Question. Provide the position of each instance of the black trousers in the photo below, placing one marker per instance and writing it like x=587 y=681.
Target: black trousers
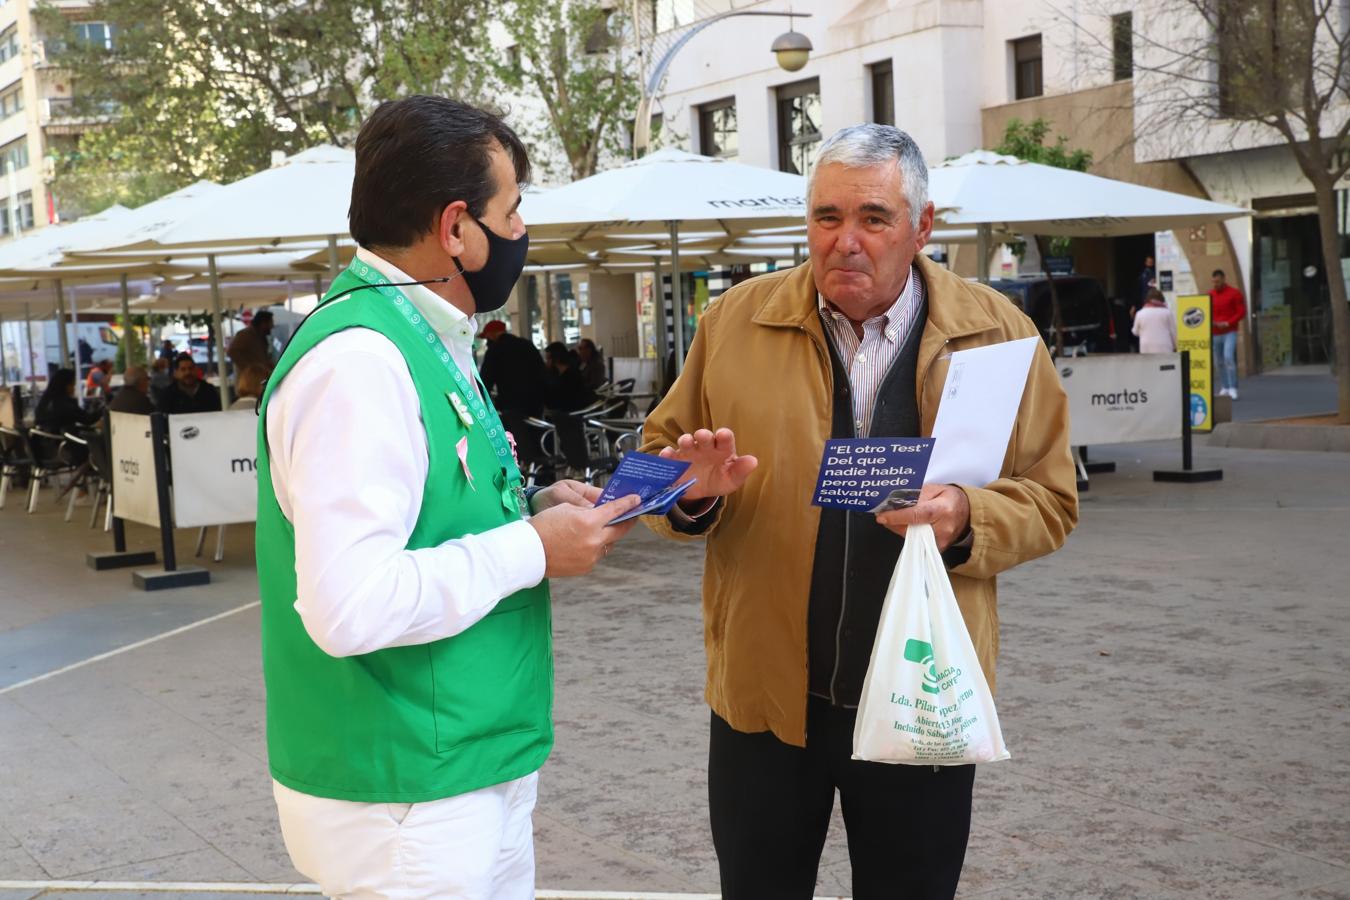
x=770 y=806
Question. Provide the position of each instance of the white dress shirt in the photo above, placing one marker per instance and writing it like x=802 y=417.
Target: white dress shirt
x=348 y=457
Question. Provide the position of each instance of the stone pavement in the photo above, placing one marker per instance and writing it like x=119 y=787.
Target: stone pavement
x=1172 y=688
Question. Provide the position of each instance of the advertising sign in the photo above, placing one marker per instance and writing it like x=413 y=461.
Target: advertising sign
x=214 y=458
x=1193 y=334
x=1122 y=398
x=135 y=496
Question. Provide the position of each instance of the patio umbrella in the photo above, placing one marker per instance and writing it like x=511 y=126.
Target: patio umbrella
x=304 y=199
x=671 y=189
x=992 y=191
x=46 y=245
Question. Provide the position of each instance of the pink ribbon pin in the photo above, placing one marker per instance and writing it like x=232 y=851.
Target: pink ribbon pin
x=462 y=449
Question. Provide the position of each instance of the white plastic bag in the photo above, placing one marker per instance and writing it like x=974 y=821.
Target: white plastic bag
x=925 y=700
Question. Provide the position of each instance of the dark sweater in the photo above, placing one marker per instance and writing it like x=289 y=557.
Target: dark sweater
x=855 y=556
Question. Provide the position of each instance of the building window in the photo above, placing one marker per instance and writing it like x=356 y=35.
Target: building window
x=4 y=218
x=1026 y=54
x=97 y=34
x=14 y=155
x=883 y=93
x=11 y=102
x=654 y=139
x=1122 y=46
x=798 y=125
x=668 y=14
x=717 y=129
x=25 y=213
x=9 y=43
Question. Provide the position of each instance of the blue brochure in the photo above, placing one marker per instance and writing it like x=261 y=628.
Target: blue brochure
x=650 y=477
x=872 y=474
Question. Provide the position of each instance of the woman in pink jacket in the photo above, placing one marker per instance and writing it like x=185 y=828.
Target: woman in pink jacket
x=1154 y=325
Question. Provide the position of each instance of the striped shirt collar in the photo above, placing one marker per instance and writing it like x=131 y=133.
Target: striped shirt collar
x=893 y=317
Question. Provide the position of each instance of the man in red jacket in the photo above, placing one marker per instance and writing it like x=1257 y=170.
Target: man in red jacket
x=1227 y=309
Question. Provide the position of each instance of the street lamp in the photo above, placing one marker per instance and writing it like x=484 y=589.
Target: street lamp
x=792 y=50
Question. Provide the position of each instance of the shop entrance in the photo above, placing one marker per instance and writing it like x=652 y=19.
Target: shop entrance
x=1291 y=312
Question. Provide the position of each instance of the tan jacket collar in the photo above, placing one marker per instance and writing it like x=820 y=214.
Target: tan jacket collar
x=952 y=308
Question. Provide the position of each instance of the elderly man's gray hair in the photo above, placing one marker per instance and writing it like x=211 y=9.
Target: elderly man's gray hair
x=864 y=146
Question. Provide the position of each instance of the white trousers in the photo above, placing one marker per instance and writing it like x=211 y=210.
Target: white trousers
x=477 y=846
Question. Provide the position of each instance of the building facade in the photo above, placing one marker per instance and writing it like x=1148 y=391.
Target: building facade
x=953 y=73
x=37 y=114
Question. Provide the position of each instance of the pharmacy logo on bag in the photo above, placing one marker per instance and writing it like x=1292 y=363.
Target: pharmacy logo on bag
x=921 y=652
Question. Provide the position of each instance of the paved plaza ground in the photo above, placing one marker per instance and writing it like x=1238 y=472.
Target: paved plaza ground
x=1173 y=689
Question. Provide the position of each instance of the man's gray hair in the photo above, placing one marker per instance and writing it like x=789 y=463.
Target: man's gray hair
x=864 y=146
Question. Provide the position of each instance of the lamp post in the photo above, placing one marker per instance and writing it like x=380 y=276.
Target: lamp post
x=791 y=50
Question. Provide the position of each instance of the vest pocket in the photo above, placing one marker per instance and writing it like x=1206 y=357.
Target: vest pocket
x=490 y=680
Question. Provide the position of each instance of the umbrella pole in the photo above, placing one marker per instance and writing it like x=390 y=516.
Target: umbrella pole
x=126 y=324
x=4 y=369
x=61 y=340
x=75 y=327
x=677 y=295
x=658 y=318
x=334 y=266
x=218 y=327
x=318 y=289
x=796 y=254
x=28 y=342
x=982 y=236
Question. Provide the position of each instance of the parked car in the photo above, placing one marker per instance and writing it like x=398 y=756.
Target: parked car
x=1084 y=308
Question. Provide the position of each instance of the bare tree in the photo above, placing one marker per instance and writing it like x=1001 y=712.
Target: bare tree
x=1216 y=75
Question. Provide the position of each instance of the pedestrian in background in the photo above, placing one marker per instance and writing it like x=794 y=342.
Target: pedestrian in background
x=513 y=371
x=1227 y=309
x=252 y=345
x=1155 y=325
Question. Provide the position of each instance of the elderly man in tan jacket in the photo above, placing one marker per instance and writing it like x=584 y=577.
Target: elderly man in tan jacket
x=854 y=343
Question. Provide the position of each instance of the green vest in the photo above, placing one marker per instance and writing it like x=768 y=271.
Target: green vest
x=417 y=723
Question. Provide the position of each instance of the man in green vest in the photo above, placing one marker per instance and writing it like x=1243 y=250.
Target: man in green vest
x=405 y=617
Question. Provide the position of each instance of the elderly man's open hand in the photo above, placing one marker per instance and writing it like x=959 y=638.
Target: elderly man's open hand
x=713 y=461
x=944 y=506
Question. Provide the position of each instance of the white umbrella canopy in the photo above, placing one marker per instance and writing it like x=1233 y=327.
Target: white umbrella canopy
x=1018 y=197
x=700 y=192
x=139 y=224
x=45 y=247
x=305 y=198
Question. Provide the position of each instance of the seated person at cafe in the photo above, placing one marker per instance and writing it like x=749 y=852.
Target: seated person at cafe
x=567 y=390
x=99 y=380
x=58 y=411
x=591 y=363
x=134 y=394
x=249 y=388
x=189 y=393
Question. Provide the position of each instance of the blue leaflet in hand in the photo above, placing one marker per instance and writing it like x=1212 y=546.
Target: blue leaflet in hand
x=658 y=504
x=872 y=474
x=647 y=476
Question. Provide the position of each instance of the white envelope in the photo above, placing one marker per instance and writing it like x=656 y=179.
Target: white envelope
x=979 y=405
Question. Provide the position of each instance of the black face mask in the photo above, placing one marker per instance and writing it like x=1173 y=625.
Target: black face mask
x=492 y=284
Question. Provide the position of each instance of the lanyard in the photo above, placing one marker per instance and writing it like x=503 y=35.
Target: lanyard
x=482 y=413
